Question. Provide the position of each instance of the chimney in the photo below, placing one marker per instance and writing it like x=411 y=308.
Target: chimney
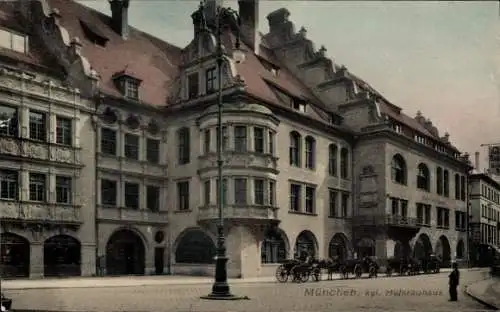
x=477 y=161
x=119 y=17
x=249 y=15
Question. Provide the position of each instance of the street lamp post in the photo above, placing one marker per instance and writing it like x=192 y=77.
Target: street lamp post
x=220 y=287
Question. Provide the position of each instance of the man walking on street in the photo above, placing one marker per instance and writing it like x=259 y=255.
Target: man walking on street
x=454 y=282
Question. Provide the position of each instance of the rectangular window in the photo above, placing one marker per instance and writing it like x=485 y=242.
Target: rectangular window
x=259 y=191
x=63 y=189
x=131 y=146
x=394 y=206
x=258 y=137
x=153 y=151
x=211 y=80
x=132 y=89
x=272 y=193
x=64 y=131
x=38 y=189
x=462 y=188
x=9 y=184
x=132 y=195
x=225 y=138
x=38 y=126
x=108 y=192
x=420 y=213
x=184 y=140
x=153 y=198
x=206 y=192
x=404 y=208
x=240 y=191
x=12 y=41
x=240 y=139
x=295 y=197
x=457 y=221
x=270 y=141
x=345 y=205
x=193 y=86
x=183 y=195
x=446 y=218
x=8 y=121
x=108 y=141
x=206 y=141
x=333 y=198
x=224 y=191
x=310 y=198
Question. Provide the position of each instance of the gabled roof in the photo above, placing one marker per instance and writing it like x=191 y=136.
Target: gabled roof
x=37 y=57
x=150 y=59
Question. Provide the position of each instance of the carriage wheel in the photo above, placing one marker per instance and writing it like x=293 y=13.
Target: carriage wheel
x=358 y=271
x=295 y=274
x=304 y=276
x=372 y=272
x=282 y=274
x=316 y=275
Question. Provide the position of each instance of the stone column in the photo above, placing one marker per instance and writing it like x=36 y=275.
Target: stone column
x=36 y=260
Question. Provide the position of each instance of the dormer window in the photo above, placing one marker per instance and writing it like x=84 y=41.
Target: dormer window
x=13 y=41
x=128 y=85
x=193 y=85
x=93 y=34
x=299 y=105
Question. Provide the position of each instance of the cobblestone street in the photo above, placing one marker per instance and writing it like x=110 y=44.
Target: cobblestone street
x=421 y=293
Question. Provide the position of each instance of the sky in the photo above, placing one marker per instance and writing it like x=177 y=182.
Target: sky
x=442 y=58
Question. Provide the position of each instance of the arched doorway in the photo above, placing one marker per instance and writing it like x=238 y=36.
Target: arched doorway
x=402 y=250
x=338 y=247
x=15 y=256
x=125 y=254
x=306 y=245
x=274 y=248
x=460 y=249
x=365 y=247
x=194 y=246
x=443 y=250
x=423 y=247
x=61 y=256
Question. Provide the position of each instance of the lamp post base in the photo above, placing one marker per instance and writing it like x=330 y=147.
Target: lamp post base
x=224 y=297
x=220 y=288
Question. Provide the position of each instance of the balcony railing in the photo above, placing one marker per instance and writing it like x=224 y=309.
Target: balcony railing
x=238 y=212
x=385 y=220
x=40 y=212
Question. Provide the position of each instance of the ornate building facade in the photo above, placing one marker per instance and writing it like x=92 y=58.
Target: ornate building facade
x=313 y=156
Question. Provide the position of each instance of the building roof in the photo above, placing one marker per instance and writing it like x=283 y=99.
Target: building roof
x=37 y=57
x=485 y=177
x=147 y=58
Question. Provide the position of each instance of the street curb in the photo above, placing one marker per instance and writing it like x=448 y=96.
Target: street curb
x=481 y=301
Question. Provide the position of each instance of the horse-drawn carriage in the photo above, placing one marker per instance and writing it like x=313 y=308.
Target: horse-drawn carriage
x=358 y=267
x=431 y=264
x=403 y=266
x=299 y=271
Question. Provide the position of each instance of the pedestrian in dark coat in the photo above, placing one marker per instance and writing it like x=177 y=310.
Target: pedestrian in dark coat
x=454 y=278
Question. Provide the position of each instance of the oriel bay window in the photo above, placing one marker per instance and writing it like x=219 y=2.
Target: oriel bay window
x=211 y=80
x=225 y=138
x=272 y=193
x=9 y=184
x=240 y=191
x=63 y=189
x=206 y=192
x=258 y=185
x=240 y=139
x=258 y=137
x=332 y=203
x=184 y=142
x=224 y=191
x=206 y=141
x=270 y=142
x=132 y=195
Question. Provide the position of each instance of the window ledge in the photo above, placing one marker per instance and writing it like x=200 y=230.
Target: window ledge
x=177 y=211
x=340 y=218
x=303 y=213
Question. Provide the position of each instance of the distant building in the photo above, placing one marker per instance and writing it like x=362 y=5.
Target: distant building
x=316 y=160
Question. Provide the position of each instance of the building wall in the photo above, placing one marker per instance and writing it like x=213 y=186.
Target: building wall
x=485 y=211
x=33 y=91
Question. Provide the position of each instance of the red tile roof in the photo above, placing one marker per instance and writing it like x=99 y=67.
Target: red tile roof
x=150 y=59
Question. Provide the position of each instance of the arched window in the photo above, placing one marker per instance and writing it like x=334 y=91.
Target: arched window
x=295 y=141
x=310 y=152
x=183 y=140
x=273 y=249
x=423 y=177
x=439 y=180
x=344 y=163
x=457 y=186
x=195 y=247
x=398 y=166
x=446 y=183
x=332 y=160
